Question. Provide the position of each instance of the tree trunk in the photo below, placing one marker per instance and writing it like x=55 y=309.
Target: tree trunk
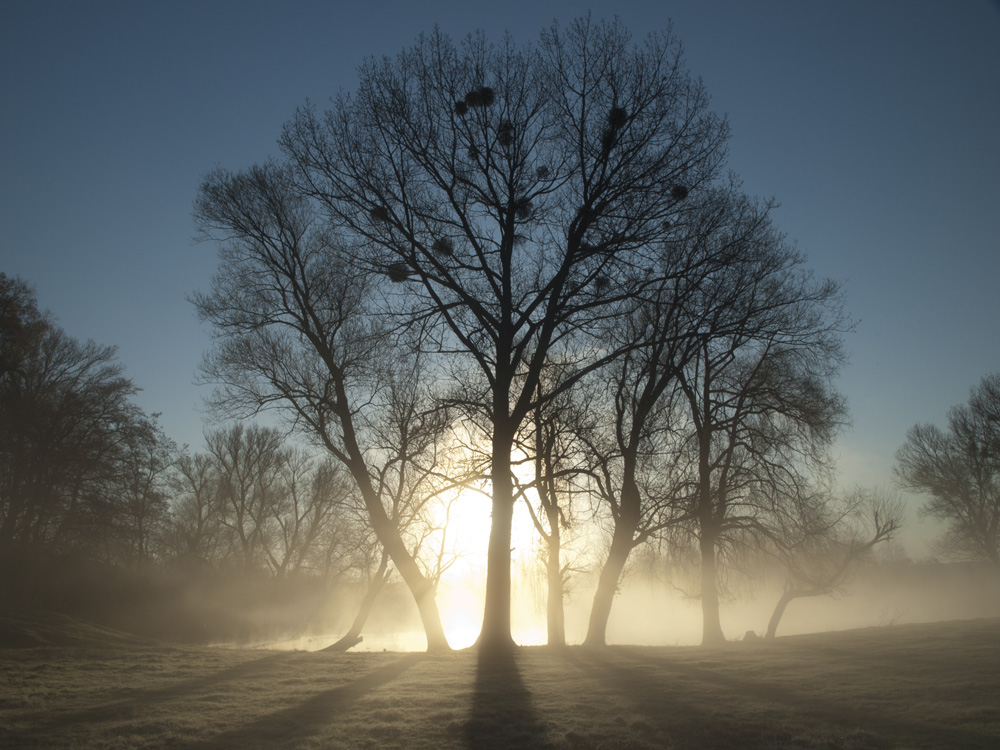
x=622 y=544
x=779 y=610
x=421 y=588
x=607 y=586
x=495 y=635
x=555 y=618
x=711 y=625
x=353 y=636
x=387 y=531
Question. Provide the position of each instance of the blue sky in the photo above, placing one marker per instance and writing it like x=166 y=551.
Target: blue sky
x=874 y=124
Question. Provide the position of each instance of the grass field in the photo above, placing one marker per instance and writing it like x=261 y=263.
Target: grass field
x=65 y=684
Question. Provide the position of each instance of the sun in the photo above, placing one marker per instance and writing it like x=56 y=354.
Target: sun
x=467 y=520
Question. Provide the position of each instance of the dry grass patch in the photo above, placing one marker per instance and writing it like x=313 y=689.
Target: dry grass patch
x=914 y=686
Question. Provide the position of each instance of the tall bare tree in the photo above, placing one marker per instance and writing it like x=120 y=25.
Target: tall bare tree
x=298 y=328
x=514 y=193
x=761 y=409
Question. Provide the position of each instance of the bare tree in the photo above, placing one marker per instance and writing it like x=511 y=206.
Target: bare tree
x=640 y=468
x=550 y=443
x=249 y=461
x=196 y=508
x=298 y=329
x=960 y=469
x=760 y=404
x=514 y=194
x=821 y=541
x=80 y=464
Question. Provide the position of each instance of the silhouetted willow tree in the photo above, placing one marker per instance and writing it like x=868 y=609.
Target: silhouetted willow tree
x=517 y=195
x=959 y=468
x=299 y=328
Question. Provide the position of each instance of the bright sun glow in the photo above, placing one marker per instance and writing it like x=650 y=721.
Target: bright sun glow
x=462 y=590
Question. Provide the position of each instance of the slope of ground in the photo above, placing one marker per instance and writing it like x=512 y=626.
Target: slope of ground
x=908 y=686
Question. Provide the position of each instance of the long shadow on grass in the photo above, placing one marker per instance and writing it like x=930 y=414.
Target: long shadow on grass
x=670 y=714
x=731 y=690
x=43 y=724
x=140 y=699
x=291 y=725
x=503 y=714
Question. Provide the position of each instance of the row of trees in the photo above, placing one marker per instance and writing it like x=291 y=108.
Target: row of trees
x=251 y=503
x=543 y=243
x=85 y=474
x=81 y=466
x=493 y=257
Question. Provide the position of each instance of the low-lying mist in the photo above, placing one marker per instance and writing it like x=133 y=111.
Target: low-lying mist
x=648 y=612
x=238 y=608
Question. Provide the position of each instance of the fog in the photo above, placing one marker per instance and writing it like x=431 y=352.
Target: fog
x=649 y=612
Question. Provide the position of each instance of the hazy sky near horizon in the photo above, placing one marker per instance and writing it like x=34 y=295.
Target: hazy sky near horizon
x=874 y=124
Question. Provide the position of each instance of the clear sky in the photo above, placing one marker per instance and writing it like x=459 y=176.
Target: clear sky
x=876 y=125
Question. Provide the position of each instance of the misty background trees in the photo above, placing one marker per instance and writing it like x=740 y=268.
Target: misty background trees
x=959 y=468
x=518 y=272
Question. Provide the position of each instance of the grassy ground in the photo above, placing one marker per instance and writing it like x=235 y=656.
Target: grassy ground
x=68 y=685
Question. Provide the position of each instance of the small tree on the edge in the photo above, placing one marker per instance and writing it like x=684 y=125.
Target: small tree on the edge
x=959 y=468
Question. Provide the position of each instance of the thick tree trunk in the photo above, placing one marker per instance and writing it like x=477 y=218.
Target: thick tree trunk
x=779 y=610
x=496 y=635
x=711 y=625
x=353 y=636
x=555 y=618
x=607 y=586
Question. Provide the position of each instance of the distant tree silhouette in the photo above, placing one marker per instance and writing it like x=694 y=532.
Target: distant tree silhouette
x=516 y=196
x=959 y=468
x=82 y=468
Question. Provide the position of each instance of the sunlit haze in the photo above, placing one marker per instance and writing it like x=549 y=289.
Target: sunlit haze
x=872 y=125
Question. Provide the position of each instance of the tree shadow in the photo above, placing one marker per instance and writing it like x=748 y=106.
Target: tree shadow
x=286 y=727
x=143 y=698
x=657 y=678
x=502 y=714
x=667 y=714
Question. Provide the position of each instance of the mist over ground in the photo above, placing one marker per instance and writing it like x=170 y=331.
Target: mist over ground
x=648 y=613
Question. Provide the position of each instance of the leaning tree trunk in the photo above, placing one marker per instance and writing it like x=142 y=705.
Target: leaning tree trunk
x=353 y=636
x=779 y=610
x=622 y=544
x=387 y=532
x=607 y=586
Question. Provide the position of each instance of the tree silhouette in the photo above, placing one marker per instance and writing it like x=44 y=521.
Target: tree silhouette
x=760 y=406
x=298 y=329
x=960 y=469
x=516 y=195
x=81 y=466
x=820 y=541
